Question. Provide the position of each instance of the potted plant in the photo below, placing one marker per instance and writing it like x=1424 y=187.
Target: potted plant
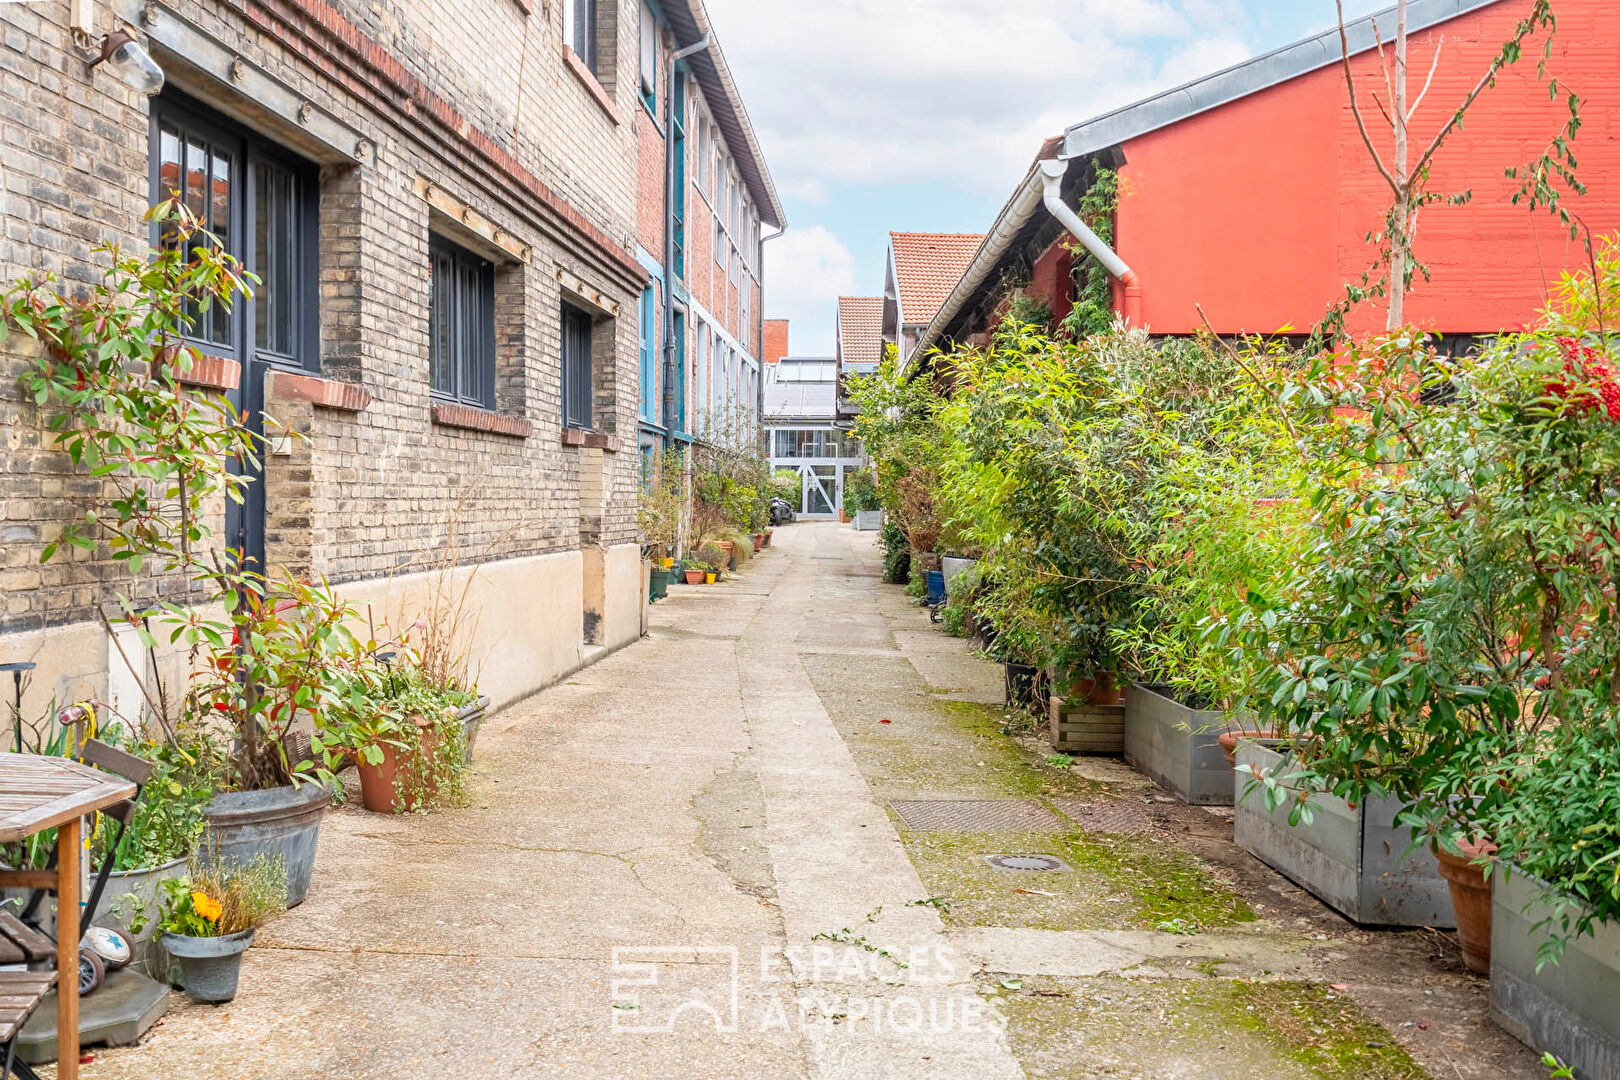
x=209 y=918
x=697 y=572
x=407 y=734
x=711 y=575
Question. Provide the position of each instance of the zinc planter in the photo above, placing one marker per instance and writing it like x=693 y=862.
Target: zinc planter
x=1351 y=858
x=868 y=520
x=209 y=966
x=952 y=566
x=472 y=718
x=1571 y=1009
x=284 y=821
x=132 y=893
x=1177 y=747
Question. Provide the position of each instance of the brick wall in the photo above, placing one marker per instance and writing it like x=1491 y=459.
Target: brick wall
x=480 y=100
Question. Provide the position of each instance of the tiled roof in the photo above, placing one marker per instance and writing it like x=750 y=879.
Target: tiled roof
x=860 y=329
x=927 y=267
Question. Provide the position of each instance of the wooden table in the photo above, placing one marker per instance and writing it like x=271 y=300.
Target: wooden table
x=39 y=793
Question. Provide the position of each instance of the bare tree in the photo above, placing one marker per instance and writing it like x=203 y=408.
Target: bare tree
x=1408 y=181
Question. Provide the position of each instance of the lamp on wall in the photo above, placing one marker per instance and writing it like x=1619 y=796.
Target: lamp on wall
x=123 y=55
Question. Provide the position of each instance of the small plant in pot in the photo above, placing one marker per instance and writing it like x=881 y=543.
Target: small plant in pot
x=209 y=918
x=406 y=735
x=696 y=572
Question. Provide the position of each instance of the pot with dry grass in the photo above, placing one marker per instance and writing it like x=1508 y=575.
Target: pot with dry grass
x=209 y=917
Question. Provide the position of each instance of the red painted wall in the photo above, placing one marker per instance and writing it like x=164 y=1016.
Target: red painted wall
x=1259 y=210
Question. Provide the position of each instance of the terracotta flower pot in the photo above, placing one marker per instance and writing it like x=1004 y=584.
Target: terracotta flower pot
x=843 y=516
x=380 y=791
x=694 y=577
x=768 y=533
x=1470 y=886
x=759 y=541
x=1099 y=690
x=1229 y=741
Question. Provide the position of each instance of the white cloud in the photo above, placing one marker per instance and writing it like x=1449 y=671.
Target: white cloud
x=961 y=91
x=805 y=272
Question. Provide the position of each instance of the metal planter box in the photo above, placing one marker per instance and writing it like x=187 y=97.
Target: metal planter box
x=1177 y=746
x=1571 y=1009
x=1350 y=859
x=1079 y=727
x=868 y=520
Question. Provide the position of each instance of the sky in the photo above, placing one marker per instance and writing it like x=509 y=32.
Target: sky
x=922 y=115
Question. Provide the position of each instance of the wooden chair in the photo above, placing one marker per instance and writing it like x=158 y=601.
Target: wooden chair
x=21 y=991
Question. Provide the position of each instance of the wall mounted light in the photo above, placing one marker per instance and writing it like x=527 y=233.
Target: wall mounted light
x=129 y=60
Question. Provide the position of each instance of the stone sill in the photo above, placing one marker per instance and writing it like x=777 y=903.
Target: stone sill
x=326 y=393
x=211 y=372
x=592 y=84
x=599 y=440
x=448 y=414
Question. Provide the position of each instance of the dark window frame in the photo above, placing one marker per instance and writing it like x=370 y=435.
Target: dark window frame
x=470 y=310
x=584 y=32
x=251 y=155
x=578 y=369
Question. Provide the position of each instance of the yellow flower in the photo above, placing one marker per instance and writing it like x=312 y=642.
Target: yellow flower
x=205 y=905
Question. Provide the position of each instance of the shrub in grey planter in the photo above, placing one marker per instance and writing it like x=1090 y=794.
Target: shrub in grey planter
x=1179 y=747
x=1572 y=1008
x=283 y=821
x=209 y=966
x=1352 y=859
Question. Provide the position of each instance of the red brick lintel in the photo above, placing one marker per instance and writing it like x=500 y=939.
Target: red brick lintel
x=212 y=372
x=598 y=439
x=327 y=393
x=465 y=416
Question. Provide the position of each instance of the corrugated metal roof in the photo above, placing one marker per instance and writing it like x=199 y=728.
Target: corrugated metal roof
x=1252 y=76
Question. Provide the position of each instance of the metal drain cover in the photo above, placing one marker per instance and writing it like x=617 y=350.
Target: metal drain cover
x=1110 y=817
x=1046 y=863
x=977 y=815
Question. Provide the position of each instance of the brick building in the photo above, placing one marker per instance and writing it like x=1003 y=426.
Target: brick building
x=442 y=199
x=703 y=194
x=1249 y=191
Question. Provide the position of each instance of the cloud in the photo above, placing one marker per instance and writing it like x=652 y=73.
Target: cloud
x=805 y=273
x=957 y=91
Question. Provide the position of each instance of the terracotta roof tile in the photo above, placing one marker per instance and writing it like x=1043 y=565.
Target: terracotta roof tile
x=927 y=267
x=860 y=329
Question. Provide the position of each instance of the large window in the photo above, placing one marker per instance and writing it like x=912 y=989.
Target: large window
x=260 y=202
x=649 y=356
x=576 y=367
x=579 y=30
x=461 y=325
x=791 y=443
x=649 y=60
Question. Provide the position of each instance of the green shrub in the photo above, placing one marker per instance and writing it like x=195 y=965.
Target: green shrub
x=896 y=554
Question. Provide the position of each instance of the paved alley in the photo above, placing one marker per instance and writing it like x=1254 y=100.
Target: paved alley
x=685 y=863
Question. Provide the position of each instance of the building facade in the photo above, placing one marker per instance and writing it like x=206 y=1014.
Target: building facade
x=803 y=436
x=704 y=194
x=1248 y=193
x=442 y=202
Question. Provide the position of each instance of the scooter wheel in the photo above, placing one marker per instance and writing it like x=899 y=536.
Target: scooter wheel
x=92 y=972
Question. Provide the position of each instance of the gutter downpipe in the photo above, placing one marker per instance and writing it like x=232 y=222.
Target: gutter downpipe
x=669 y=237
x=1052 y=171
x=759 y=360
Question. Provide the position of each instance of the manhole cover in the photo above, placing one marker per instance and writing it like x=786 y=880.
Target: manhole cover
x=974 y=815
x=1027 y=862
x=1114 y=817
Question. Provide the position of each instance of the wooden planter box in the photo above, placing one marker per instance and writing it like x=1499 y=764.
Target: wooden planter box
x=1079 y=727
x=1350 y=859
x=1571 y=1009
x=1178 y=747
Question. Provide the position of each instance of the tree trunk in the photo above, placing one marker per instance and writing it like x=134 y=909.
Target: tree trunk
x=1400 y=238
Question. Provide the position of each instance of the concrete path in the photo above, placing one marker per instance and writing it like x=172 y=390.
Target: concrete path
x=680 y=865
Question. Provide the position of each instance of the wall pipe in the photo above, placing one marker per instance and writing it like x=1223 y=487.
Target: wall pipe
x=1052 y=172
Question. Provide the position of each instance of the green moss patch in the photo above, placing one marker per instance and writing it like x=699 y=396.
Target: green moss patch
x=1208 y=1029
x=1118 y=882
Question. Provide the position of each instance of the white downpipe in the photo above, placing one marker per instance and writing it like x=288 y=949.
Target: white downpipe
x=1052 y=171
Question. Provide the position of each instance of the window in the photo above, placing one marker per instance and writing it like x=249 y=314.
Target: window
x=576 y=367
x=579 y=30
x=461 y=325
x=743 y=331
x=700 y=174
x=261 y=202
x=649 y=356
x=677 y=210
x=649 y=60
x=679 y=419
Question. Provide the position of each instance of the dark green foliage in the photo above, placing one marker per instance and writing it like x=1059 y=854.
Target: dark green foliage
x=896 y=554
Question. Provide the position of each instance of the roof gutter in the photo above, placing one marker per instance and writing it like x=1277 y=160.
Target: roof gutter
x=1052 y=171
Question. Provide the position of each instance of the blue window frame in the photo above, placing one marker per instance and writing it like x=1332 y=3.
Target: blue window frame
x=680 y=373
x=649 y=356
x=678 y=149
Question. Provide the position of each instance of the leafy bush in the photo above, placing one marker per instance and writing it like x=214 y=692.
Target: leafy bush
x=896 y=554
x=860 y=492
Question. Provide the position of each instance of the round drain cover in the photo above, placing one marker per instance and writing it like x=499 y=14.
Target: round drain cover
x=1025 y=862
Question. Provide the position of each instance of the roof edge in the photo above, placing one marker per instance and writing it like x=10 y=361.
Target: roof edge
x=1253 y=75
